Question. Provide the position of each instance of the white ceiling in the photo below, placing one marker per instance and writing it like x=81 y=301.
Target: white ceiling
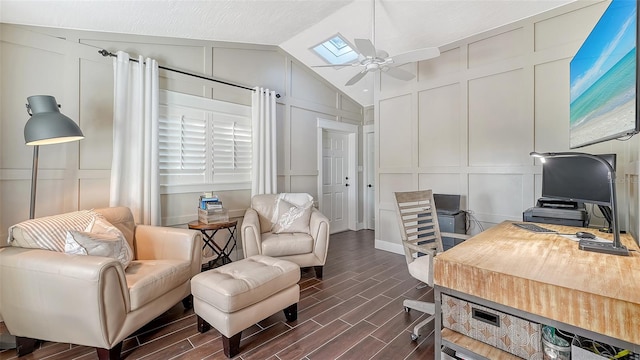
x=294 y=25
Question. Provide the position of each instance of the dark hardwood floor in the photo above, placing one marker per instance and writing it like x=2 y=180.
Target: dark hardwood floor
x=355 y=312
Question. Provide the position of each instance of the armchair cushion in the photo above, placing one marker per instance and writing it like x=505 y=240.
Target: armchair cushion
x=276 y=245
x=150 y=279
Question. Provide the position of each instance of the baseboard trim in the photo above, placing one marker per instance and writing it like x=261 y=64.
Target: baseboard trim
x=390 y=247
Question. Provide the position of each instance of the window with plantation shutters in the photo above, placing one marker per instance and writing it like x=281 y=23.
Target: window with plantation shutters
x=204 y=144
x=231 y=150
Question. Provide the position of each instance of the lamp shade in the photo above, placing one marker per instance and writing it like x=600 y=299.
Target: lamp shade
x=47 y=125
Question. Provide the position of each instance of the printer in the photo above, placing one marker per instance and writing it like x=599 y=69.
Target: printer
x=557 y=211
x=450 y=218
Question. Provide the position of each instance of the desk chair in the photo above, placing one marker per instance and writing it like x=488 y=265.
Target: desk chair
x=422 y=241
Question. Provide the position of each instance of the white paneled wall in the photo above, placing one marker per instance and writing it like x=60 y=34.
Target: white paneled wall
x=396 y=150
x=467 y=124
x=439 y=127
x=66 y=64
x=500 y=132
x=496 y=197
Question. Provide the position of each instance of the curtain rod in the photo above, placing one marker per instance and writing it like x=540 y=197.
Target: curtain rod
x=104 y=52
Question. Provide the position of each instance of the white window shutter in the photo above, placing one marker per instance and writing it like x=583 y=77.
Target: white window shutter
x=182 y=147
x=231 y=148
x=204 y=141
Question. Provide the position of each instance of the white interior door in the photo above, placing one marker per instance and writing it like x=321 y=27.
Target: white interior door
x=335 y=179
x=370 y=170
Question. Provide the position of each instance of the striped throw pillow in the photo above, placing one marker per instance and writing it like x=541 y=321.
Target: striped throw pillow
x=49 y=232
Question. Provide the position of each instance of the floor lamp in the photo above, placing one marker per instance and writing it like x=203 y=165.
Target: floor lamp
x=46 y=126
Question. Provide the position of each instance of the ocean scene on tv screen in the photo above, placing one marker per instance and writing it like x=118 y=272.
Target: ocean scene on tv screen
x=603 y=78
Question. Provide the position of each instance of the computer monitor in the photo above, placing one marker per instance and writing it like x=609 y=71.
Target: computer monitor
x=587 y=178
x=580 y=179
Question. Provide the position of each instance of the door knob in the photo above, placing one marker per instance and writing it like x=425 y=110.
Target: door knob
x=369 y=185
x=346 y=184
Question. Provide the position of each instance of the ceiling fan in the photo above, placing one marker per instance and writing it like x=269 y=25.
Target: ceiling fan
x=372 y=60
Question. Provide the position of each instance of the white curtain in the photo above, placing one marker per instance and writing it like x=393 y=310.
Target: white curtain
x=263 y=128
x=134 y=167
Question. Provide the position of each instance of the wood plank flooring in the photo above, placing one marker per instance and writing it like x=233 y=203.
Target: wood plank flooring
x=354 y=312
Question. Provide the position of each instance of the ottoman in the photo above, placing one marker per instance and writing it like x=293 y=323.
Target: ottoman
x=235 y=296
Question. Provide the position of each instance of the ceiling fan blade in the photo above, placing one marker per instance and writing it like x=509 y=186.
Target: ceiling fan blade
x=398 y=73
x=415 y=55
x=356 y=78
x=365 y=47
x=334 y=66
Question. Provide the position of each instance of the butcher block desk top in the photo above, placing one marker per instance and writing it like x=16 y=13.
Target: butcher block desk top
x=547 y=275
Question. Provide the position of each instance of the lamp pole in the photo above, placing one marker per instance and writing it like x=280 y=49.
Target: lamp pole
x=615 y=248
x=34 y=180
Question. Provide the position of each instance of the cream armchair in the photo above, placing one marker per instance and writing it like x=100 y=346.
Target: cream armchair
x=304 y=245
x=92 y=300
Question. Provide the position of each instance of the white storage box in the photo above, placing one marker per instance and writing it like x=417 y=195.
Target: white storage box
x=213 y=216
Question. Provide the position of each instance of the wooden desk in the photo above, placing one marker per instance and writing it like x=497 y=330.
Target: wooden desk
x=545 y=278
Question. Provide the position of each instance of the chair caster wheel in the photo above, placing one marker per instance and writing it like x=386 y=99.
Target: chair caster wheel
x=414 y=337
x=406 y=309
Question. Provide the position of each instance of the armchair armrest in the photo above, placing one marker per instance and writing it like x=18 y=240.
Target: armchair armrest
x=250 y=233
x=319 y=230
x=160 y=242
x=50 y=295
x=455 y=235
x=422 y=248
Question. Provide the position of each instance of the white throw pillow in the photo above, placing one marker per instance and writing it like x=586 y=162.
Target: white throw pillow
x=291 y=218
x=100 y=238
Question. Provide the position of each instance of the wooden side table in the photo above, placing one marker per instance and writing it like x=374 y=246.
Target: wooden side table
x=209 y=231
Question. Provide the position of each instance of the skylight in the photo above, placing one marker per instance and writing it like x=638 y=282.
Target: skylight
x=335 y=51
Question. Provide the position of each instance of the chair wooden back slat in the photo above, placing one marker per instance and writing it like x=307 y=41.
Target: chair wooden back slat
x=418 y=221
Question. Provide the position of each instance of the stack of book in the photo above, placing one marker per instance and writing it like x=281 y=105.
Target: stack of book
x=210 y=209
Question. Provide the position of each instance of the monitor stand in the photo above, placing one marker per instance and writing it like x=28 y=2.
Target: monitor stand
x=606 y=212
x=602 y=247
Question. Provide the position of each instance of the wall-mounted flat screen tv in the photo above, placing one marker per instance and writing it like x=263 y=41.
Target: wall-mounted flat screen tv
x=604 y=79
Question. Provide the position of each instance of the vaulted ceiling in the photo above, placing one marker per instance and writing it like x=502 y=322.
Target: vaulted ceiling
x=396 y=26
